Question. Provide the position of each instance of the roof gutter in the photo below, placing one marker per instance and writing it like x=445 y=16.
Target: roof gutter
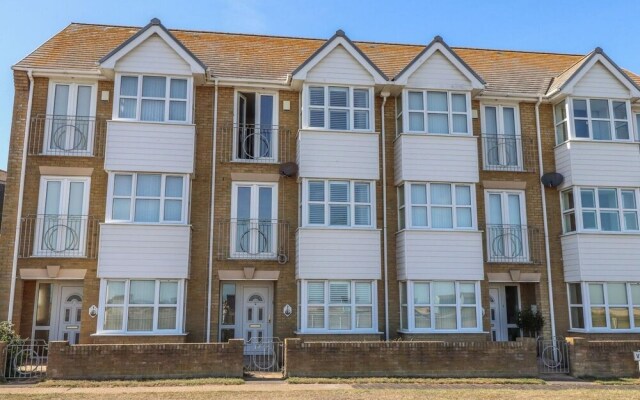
x=14 y=266
x=211 y=215
x=60 y=72
x=511 y=95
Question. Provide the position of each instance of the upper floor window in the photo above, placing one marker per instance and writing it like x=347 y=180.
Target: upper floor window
x=254 y=213
x=339 y=108
x=595 y=119
x=256 y=136
x=438 y=112
x=501 y=138
x=148 y=198
x=436 y=206
x=600 y=209
x=339 y=203
x=153 y=98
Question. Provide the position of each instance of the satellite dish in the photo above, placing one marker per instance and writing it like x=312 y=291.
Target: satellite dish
x=552 y=179
x=289 y=169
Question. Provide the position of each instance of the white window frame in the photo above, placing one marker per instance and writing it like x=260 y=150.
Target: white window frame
x=571 y=126
x=425 y=111
x=327 y=304
x=586 y=308
x=408 y=206
x=306 y=104
x=275 y=132
x=134 y=176
x=351 y=203
x=410 y=307
x=501 y=137
x=523 y=218
x=166 y=99
x=125 y=306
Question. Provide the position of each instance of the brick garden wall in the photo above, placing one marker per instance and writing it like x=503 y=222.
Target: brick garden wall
x=145 y=361
x=3 y=348
x=603 y=358
x=410 y=359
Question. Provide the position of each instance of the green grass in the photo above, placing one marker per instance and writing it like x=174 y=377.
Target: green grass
x=427 y=381
x=140 y=383
x=617 y=381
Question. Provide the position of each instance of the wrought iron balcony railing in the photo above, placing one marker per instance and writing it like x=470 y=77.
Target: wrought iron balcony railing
x=66 y=135
x=253 y=143
x=253 y=239
x=513 y=244
x=508 y=153
x=55 y=235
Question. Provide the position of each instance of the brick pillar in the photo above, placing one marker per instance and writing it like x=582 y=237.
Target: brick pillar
x=236 y=347
x=578 y=355
x=3 y=350
x=290 y=347
x=56 y=359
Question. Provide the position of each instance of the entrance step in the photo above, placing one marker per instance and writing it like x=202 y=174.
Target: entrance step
x=264 y=377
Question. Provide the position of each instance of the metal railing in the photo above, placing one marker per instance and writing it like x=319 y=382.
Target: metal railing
x=508 y=153
x=26 y=359
x=553 y=355
x=263 y=355
x=66 y=135
x=253 y=239
x=513 y=244
x=254 y=143
x=56 y=235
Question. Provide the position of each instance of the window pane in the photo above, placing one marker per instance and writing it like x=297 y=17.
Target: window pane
x=340 y=318
x=152 y=110
x=338 y=97
x=178 y=89
x=360 y=119
x=596 y=293
x=316 y=213
x=582 y=128
x=338 y=214
x=363 y=293
x=575 y=293
x=441 y=217
x=440 y=193
x=577 y=317
x=147 y=210
x=610 y=220
x=628 y=199
x=459 y=123
x=316 y=118
x=142 y=292
x=561 y=112
x=364 y=317
x=129 y=86
x=339 y=119
x=588 y=198
x=148 y=185
x=339 y=191
x=122 y=185
x=168 y=292
x=127 y=108
x=635 y=296
x=419 y=216
x=463 y=195
x=599 y=108
x=316 y=96
x=140 y=319
x=619 y=318
x=167 y=317
x=173 y=210
x=445 y=317
x=115 y=292
x=444 y=293
x=418 y=194
x=362 y=215
x=315 y=293
x=154 y=86
x=416 y=122
x=416 y=101
x=177 y=110
x=579 y=108
x=437 y=101
x=598 y=317
x=617 y=293
x=463 y=217
x=468 y=317
x=362 y=192
x=619 y=110
x=458 y=103
x=631 y=220
x=608 y=198
x=315 y=317
x=113 y=318
x=339 y=293
x=173 y=186
x=422 y=317
x=622 y=130
x=361 y=98
x=589 y=220
x=121 y=209
x=421 y=293
x=468 y=293
x=567 y=200
x=316 y=191
x=601 y=130
x=438 y=123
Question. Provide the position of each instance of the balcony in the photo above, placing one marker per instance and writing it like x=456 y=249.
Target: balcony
x=249 y=143
x=508 y=153
x=513 y=244
x=253 y=239
x=66 y=135
x=48 y=235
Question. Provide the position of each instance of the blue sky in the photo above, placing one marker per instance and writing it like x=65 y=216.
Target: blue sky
x=557 y=26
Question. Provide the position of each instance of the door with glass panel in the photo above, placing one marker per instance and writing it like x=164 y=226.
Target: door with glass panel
x=255 y=133
x=253 y=225
x=70 y=315
x=507 y=238
x=502 y=144
x=70 y=126
x=495 y=315
x=505 y=301
x=61 y=224
x=257 y=318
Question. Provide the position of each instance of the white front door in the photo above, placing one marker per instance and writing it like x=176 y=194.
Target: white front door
x=257 y=315
x=70 y=314
x=494 y=315
x=504 y=306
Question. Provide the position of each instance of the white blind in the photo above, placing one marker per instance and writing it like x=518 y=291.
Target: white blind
x=315 y=293
x=339 y=293
x=363 y=293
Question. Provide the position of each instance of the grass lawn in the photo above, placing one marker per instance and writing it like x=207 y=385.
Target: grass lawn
x=139 y=383
x=427 y=381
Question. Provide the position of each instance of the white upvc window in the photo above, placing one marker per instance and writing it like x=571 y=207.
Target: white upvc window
x=436 y=206
x=338 y=306
x=254 y=220
x=136 y=306
x=341 y=108
x=604 y=306
x=501 y=141
x=597 y=119
x=437 y=112
x=399 y=116
x=153 y=98
x=338 y=203
x=506 y=230
x=147 y=198
x=440 y=306
x=600 y=209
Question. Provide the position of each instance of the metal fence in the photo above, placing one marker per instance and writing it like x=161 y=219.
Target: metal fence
x=253 y=239
x=26 y=359
x=252 y=143
x=553 y=355
x=508 y=153
x=513 y=244
x=263 y=355
x=66 y=135
x=57 y=235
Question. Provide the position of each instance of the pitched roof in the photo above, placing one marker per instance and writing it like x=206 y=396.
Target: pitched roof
x=81 y=46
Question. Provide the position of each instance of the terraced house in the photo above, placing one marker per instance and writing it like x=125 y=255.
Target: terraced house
x=186 y=186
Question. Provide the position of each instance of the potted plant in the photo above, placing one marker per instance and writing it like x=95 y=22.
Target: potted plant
x=531 y=321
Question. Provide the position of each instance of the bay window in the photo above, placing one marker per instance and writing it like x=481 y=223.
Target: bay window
x=335 y=305
x=436 y=206
x=438 y=112
x=141 y=306
x=339 y=108
x=600 y=209
x=594 y=119
x=439 y=306
x=604 y=306
x=339 y=203
x=153 y=98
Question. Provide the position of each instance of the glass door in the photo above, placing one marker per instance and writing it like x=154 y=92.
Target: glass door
x=256 y=137
x=71 y=126
x=506 y=227
x=502 y=138
x=253 y=211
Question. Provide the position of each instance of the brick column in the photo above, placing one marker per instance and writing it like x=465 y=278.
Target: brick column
x=3 y=349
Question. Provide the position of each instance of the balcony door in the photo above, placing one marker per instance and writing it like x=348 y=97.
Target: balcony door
x=254 y=220
x=61 y=223
x=507 y=239
x=502 y=142
x=256 y=130
x=71 y=119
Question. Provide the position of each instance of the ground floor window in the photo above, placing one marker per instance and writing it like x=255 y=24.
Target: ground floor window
x=338 y=306
x=141 y=306
x=604 y=306
x=442 y=306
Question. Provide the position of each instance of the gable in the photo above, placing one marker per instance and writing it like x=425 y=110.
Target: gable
x=437 y=72
x=153 y=55
x=339 y=66
x=598 y=81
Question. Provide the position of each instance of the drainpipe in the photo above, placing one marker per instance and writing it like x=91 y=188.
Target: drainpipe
x=544 y=222
x=212 y=214
x=384 y=95
x=14 y=269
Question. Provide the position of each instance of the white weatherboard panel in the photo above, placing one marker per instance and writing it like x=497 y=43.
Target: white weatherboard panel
x=340 y=67
x=599 y=82
x=443 y=255
x=436 y=158
x=338 y=155
x=438 y=73
x=323 y=253
x=150 y=147
x=153 y=56
x=144 y=251
x=601 y=257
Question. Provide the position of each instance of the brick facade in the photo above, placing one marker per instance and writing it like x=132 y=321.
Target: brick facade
x=603 y=358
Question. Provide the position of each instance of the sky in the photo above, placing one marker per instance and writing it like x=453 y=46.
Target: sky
x=538 y=25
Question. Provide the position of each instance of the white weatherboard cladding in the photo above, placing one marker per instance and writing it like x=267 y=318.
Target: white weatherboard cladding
x=154 y=56
x=436 y=158
x=601 y=257
x=599 y=82
x=340 y=67
x=342 y=155
x=323 y=253
x=439 y=255
x=150 y=147
x=144 y=251
x=598 y=163
x=438 y=73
